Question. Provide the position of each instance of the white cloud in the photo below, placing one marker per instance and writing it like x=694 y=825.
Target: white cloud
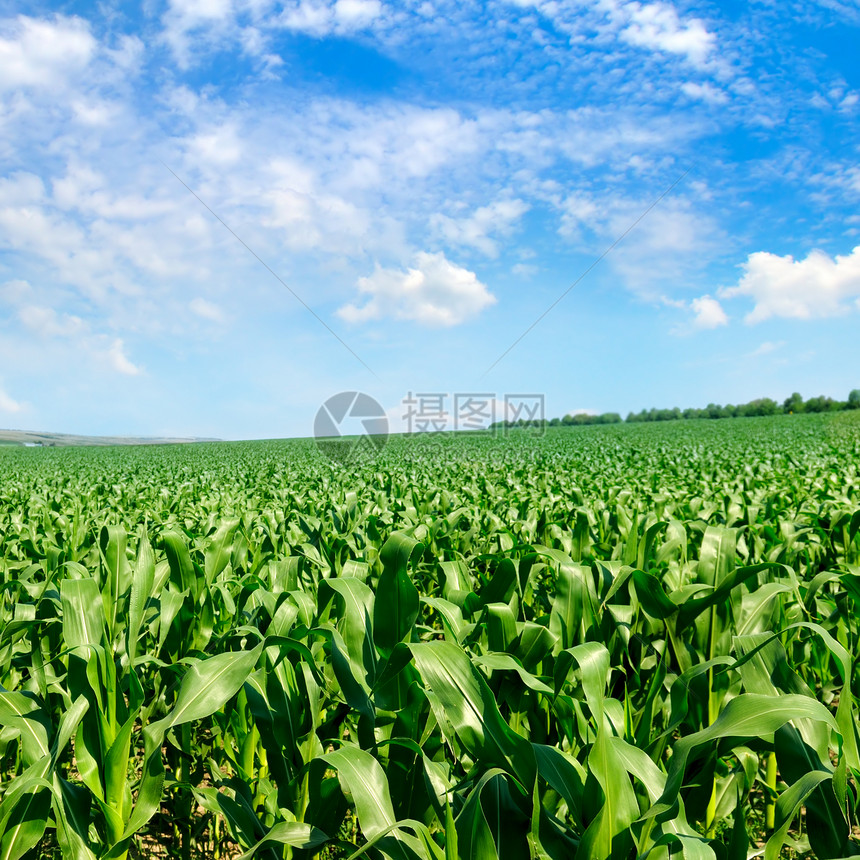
x=209 y=18
x=815 y=287
x=421 y=141
x=201 y=10
x=320 y=19
x=357 y=13
x=474 y=231
x=43 y=54
x=657 y=26
x=128 y=54
x=850 y=101
x=207 y=310
x=435 y=292
x=705 y=91
x=304 y=17
x=8 y=405
x=578 y=211
x=219 y=147
x=708 y=313
x=87 y=191
x=119 y=361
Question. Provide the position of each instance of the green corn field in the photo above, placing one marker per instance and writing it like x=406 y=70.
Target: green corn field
x=603 y=642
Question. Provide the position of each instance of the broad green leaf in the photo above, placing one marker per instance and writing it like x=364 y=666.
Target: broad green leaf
x=292 y=833
x=396 y=601
x=747 y=716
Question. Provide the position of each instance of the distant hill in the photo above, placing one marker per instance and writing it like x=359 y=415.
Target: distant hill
x=66 y=440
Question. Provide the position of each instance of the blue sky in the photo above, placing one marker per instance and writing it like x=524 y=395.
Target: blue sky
x=429 y=177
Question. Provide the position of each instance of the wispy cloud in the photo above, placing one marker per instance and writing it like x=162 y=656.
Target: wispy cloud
x=206 y=310
x=766 y=348
x=476 y=229
x=45 y=323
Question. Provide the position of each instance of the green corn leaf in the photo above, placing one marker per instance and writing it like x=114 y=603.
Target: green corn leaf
x=83 y=613
x=787 y=808
x=747 y=716
x=291 y=833
x=362 y=777
x=142 y=579
x=396 y=603
x=183 y=573
x=24 y=712
x=24 y=823
x=463 y=698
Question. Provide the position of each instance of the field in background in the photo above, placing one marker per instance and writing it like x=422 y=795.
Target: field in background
x=620 y=641
x=63 y=440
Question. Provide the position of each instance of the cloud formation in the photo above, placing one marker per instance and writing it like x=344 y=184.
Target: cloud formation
x=43 y=53
x=815 y=287
x=657 y=26
x=434 y=292
x=319 y=19
x=708 y=313
x=104 y=351
x=8 y=405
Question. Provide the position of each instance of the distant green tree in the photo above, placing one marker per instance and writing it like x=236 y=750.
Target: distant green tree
x=819 y=404
x=759 y=407
x=793 y=403
x=854 y=399
x=766 y=406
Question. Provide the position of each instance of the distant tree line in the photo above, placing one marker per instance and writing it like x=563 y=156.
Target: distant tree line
x=759 y=407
